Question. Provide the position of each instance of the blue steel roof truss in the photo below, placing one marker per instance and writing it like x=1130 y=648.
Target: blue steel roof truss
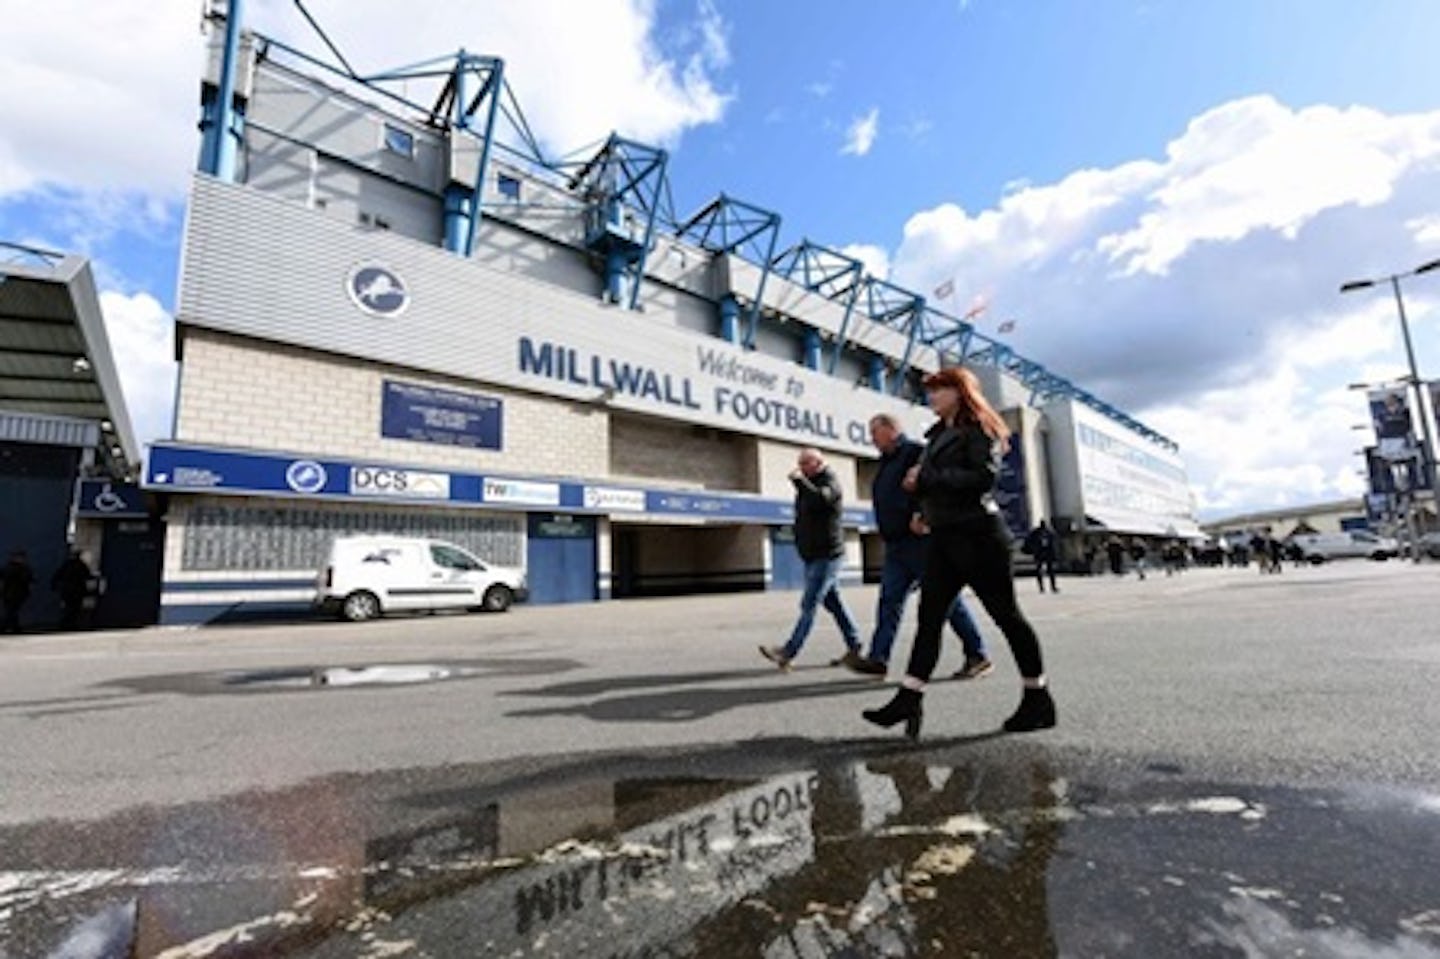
x=830 y=273
x=728 y=225
x=629 y=174
x=624 y=177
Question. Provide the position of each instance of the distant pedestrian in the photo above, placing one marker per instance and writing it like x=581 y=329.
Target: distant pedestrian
x=1174 y=557
x=821 y=543
x=1043 y=547
x=969 y=545
x=1276 y=549
x=1138 y=552
x=1116 y=551
x=72 y=582
x=16 y=581
x=905 y=535
x=1260 y=547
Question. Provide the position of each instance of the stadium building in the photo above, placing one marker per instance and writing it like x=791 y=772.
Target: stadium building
x=399 y=315
x=67 y=450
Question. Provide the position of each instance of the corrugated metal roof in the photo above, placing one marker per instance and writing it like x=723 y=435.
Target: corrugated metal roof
x=47 y=430
x=55 y=360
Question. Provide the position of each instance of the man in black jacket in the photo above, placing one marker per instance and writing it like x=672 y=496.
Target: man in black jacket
x=897 y=513
x=15 y=582
x=1041 y=545
x=821 y=542
x=72 y=582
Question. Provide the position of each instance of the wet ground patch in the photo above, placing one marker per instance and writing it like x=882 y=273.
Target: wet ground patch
x=786 y=848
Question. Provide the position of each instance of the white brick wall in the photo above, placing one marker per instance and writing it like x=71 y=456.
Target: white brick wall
x=776 y=460
x=244 y=393
x=678 y=454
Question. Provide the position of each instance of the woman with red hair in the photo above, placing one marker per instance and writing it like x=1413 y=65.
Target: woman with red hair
x=969 y=545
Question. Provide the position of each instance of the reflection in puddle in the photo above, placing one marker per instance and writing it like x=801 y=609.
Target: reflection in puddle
x=894 y=857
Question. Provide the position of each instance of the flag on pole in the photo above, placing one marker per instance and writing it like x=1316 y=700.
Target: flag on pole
x=1005 y=327
x=945 y=290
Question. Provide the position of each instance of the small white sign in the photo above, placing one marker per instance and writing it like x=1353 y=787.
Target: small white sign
x=385 y=481
x=521 y=492
x=620 y=500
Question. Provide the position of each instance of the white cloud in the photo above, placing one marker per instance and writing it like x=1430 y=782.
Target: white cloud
x=1199 y=291
x=113 y=96
x=918 y=128
x=1426 y=229
x=105 y=138
x=860 y=135
x=141 y=337
x=579 y=70
x=120 y=93
x=875 y=258
x=1254 y=164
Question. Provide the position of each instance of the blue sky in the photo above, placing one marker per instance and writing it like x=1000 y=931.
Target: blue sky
x=974 y=96
x=1163 y=196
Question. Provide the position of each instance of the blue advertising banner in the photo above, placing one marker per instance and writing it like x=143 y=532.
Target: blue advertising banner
x=1390 y=476
x=1394 y=429
x=1010 y=491
x=203 y=469
x=426 y=414
x=108 y=499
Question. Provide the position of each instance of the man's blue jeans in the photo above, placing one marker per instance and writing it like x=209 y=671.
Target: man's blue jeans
x=822 y=585
x=904 y=567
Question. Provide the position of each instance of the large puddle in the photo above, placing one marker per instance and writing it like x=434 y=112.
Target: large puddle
x=911 y=854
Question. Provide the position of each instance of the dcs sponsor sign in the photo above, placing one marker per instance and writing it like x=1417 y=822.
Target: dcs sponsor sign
x=387 y=481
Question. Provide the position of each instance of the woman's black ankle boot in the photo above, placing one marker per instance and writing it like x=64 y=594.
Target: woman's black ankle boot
x=1037 y=711
x=906 y=705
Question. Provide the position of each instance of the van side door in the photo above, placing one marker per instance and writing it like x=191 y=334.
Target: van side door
x=460 y=576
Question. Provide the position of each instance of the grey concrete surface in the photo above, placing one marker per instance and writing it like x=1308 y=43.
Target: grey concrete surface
x=1318 y=674
x=1245 y=765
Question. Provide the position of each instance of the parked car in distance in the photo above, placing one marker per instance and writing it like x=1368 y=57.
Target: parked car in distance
x=1430 y=545
x=1322 y=547
x=368 y=576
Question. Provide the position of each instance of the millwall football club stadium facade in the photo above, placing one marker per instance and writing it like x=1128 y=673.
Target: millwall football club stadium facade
x=398 y=316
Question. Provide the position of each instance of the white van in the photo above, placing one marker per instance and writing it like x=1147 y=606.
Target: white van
x=367 y=576
x=1319 y=547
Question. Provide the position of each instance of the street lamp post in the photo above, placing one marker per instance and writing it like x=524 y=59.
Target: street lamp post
x=1427 y=453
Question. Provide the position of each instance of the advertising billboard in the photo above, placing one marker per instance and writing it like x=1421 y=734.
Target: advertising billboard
x=1394 y=427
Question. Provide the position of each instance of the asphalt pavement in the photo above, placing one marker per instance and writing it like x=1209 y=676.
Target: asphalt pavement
x=1245 y=765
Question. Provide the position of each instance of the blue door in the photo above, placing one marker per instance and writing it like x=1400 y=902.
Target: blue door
x=787 y=569
x=560 y=558
x=130 y=561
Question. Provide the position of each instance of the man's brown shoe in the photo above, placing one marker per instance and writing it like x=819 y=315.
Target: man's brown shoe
x=974 y=668
x=776 y=655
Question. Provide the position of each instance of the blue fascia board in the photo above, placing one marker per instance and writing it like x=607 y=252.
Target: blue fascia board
x=178 y=468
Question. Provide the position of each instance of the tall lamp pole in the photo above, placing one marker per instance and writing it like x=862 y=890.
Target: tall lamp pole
x=1427 y=454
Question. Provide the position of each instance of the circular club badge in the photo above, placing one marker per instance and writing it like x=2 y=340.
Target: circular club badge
x=377 y=290
x=305 y=476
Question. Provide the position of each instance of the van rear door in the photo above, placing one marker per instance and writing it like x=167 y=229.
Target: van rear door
x=391 y=570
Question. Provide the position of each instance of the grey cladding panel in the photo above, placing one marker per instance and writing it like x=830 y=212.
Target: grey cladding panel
x=313 y=115
x=267 y=268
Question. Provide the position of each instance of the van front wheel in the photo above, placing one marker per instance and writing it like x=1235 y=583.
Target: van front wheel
x=360 y=606
x=497 y=599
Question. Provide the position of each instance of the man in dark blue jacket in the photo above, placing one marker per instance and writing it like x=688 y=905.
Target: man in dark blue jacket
x=821 y=542
x=898 y=516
